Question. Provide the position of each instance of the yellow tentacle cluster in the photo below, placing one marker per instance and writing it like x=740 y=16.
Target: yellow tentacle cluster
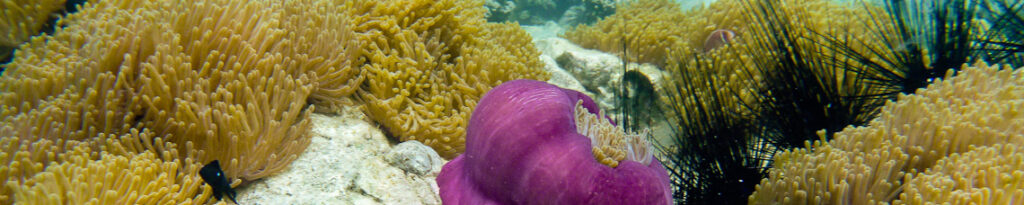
x=956 y=141
x=610 y=144
x=429 y=62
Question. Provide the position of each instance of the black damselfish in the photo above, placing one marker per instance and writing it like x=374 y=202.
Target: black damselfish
x=214 y=176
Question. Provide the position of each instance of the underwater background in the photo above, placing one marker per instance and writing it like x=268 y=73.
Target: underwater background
x=512 y=102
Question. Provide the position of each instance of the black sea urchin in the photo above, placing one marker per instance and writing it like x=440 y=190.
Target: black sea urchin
x=805 y=87
x=714 y=159
x=928 y=38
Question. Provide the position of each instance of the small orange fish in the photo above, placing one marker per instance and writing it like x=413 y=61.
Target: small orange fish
x=717 y=39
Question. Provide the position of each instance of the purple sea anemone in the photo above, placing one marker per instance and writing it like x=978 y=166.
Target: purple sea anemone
x=530 y=142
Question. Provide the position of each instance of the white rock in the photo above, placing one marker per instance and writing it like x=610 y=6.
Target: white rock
x=598 y=72
x=415 y=157
x=592 y=68
x=555 y=46
x=560 y=77
x=345 y=164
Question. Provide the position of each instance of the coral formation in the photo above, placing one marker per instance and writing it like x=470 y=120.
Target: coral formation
x=984 y=175
x=84 y=176
x=323 y=46
x=23 y=19
x=214 y=83
x=648 y=28
x=58 y=95
x=648 y=31
x=22 y=160
x=522 y=146
x=912 y=143
x=428 y=62
x=237 y=80
x=133 y=167
x=237 y=88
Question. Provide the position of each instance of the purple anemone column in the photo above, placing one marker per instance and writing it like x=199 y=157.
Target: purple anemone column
x=522 y=148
